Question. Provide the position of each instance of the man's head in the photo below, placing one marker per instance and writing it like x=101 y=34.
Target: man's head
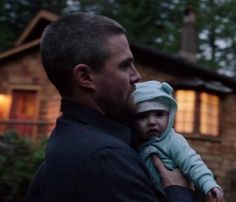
x=88 y=59
x=72 y=40
x=155 y=109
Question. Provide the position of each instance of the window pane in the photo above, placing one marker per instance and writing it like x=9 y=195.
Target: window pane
x=209 y=114
x=24 y=104
x=184 y=120
x=23 y=108
x=5 y=103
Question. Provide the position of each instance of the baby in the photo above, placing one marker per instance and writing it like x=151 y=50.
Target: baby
x=155 y=111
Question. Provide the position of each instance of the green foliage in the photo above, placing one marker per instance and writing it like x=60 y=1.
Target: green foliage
x=151 y=22
x=158 y=24
x=15 y=15
x=19 y=159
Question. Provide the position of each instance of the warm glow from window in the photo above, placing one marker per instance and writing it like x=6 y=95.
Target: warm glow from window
x=184 y=120
x=209 y=114
x=24 y=107
x=5 y=103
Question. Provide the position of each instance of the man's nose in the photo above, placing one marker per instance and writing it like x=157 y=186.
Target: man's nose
x=135 y=75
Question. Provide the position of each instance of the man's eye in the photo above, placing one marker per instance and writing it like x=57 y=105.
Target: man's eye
x=126 y=64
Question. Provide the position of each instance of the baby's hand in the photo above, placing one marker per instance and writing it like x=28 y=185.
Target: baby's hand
x=216 y=193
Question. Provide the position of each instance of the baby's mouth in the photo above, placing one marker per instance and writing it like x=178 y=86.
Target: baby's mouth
x=153 y=132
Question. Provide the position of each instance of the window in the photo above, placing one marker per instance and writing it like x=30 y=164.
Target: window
x=5 y=103
x=198 y=113
x=23 y=109
x=23 y=106
x=209 y=113
x=184 y=120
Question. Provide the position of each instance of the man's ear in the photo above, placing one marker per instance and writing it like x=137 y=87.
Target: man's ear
x=82 y=75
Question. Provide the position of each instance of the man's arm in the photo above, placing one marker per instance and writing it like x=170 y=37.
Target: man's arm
x=177 y=187
x=170 y=178
x=115 y=174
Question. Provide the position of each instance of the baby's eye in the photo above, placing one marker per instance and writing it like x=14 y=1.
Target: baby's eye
x=161 y=113
x=141 y=116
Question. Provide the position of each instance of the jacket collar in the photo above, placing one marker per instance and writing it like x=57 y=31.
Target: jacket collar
x=78 y=112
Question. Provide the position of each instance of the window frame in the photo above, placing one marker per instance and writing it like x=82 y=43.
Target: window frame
x=9 y=121
x=196 y=128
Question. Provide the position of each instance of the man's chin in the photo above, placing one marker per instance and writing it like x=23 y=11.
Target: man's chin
x=122 y=114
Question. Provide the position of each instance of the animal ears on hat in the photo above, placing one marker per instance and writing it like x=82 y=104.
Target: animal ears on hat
x=167 y=88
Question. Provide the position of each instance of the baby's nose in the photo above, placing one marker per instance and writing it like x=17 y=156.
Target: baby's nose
x=151 y=120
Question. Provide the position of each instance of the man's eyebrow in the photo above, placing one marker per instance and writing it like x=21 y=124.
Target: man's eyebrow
x=127 y=61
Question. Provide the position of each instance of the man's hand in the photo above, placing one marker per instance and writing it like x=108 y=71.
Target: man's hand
x=170 y=178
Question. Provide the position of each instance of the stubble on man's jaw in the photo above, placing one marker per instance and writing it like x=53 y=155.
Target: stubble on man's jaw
x=124 y=113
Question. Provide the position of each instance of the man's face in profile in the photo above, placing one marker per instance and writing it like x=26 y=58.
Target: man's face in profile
x=116 y=80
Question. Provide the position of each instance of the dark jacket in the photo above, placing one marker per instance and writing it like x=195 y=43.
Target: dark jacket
x=88 y=159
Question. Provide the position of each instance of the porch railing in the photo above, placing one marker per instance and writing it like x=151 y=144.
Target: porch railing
x=34 y=129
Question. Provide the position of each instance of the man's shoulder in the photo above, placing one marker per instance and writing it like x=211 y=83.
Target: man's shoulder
x=79 y=137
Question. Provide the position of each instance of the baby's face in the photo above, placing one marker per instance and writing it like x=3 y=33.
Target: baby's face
x=151 y=123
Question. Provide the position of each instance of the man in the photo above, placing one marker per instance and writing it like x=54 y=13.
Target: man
x=88 y=157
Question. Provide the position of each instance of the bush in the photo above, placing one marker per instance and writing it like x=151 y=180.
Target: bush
x=19 y=159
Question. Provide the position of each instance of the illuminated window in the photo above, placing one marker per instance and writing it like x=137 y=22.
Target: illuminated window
x=197 y=113
x=5 y=103
x=24 y=104
x=23 y=108
x=184 y=120
x=209 y=113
